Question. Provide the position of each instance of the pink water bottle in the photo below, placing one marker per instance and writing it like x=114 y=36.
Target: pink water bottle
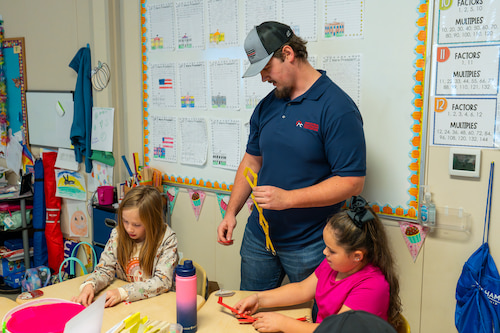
x=185 y=280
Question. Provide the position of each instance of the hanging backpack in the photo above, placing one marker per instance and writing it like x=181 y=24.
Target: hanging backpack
x=478 y=288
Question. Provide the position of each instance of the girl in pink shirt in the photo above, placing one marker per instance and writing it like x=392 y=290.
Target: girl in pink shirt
x=357 y=274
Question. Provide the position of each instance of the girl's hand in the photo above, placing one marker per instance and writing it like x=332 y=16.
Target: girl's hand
x=113 y=297
x=269 y=321
x=248 y=305
x=86 y=296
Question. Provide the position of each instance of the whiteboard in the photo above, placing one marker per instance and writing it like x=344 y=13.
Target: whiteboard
x=386 y=55
x=47 y=125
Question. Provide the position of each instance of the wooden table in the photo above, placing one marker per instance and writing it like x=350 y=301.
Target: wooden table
x=162 y=307
x=6 y=305
x=213 y=317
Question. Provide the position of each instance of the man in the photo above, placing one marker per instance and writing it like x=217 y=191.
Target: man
x=307 y=145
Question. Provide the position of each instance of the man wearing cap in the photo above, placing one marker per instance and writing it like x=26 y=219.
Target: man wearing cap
x=307 y=145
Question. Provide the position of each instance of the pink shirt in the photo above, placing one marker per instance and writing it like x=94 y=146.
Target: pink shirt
x=365 y=290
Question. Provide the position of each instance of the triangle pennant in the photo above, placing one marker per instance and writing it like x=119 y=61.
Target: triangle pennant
x=223 y=201
x=414 y=236
x=250 y=205
x=197 y=198
x=172 y=192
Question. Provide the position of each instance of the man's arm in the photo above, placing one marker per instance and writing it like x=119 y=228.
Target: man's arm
x=239 y=195
x=329 y=192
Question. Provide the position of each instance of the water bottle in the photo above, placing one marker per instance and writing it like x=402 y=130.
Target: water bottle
x=185 y=280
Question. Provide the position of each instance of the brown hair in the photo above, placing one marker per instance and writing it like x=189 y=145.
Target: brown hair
x=371 y=238
x=298 y=46
x=150 y=204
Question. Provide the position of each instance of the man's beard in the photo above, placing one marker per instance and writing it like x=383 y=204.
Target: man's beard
x=284 y=92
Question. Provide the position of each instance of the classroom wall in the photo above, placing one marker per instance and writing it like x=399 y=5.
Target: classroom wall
x=113 y=30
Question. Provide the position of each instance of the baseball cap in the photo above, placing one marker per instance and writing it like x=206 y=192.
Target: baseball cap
x=354 y=322
x=261 y=43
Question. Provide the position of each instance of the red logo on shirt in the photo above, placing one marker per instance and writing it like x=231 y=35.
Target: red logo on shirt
x=311 y=126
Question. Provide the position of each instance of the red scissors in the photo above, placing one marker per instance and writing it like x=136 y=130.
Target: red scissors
x=244 y=317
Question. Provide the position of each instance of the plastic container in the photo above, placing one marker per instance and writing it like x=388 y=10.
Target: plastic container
x=105 y=195
x=185 y=280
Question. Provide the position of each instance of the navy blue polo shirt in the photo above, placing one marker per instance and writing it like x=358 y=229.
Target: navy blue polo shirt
x=303 y=142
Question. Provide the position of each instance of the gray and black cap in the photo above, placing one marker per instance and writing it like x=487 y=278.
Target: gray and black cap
x=261 y=43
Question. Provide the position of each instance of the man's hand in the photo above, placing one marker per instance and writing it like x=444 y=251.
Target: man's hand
x=271 y=197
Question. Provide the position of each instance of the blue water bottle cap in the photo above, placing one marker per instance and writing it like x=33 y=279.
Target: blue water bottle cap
x=185 y=270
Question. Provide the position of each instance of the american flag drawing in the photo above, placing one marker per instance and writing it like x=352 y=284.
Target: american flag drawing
x=165 y=83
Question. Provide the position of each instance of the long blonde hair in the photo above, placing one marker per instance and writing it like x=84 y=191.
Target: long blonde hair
x=371 y=238
x=150 y=204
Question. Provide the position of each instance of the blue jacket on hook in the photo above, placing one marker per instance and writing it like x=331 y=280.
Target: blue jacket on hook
x=81 y=129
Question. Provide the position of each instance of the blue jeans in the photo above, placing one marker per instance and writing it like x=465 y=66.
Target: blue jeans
x=260 y=270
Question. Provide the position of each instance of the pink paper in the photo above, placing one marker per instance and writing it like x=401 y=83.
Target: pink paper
x=46 y=318
x=197 y=198
x=414 y=236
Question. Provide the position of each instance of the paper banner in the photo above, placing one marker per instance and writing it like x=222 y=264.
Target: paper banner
x=250 y=205
x=223 y=201
x=197 y=198
x=414 y=236
x=171 y=196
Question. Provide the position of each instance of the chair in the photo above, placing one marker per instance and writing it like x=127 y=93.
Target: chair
x=201 y=278
x=404 y=327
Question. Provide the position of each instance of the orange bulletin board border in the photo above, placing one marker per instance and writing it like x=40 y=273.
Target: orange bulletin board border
x=415 y=120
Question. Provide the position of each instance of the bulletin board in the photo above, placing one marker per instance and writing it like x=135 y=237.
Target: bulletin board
x=194 y=98
x=50 y=117
x=17 y=83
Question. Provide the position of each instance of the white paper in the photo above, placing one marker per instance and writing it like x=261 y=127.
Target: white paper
x=225 y=84
x=345 y=71
x=194 y=140
x=258 y=11
x=89 y=320
x=162 y=85
x=301 y=16
x=189 y=18
x=226 y=143
x=343 y=19
x=193 y=85
x=223 y=23
x=163 y=138
x=161 y=26
x=70 y=184
x=102 y=129
x=66 y=159
x=102 y=175
x=14 y=154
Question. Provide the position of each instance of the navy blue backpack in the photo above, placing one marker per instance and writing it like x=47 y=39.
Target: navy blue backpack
x=478 y=288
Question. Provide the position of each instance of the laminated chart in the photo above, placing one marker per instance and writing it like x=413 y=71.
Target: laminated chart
x=465 y=96
x=468 y=21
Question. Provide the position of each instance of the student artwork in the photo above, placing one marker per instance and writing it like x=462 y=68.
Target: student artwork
x=250 y=205
x=171 y=196
x=223 y=201
x=414 y=236
x=78 y=221
x=102 y=175
x=70 y=185
x=197 y=198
